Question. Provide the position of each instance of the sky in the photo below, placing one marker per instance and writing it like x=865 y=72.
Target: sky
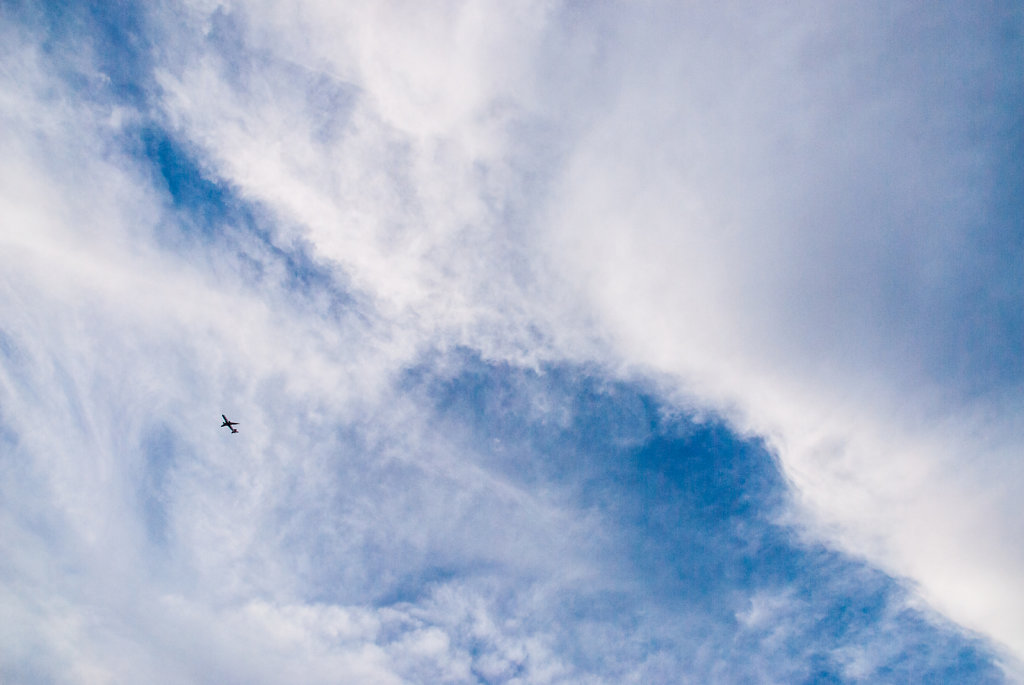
x=569 y=342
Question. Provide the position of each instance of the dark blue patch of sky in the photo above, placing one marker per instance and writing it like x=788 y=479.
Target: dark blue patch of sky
x=205 y=206
x=114 y=32
x=118 y=39
x=208 y=213
x=691 y=510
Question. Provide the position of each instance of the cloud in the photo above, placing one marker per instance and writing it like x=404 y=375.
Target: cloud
x=810 y=269
x=477 y=280
x=794 y=224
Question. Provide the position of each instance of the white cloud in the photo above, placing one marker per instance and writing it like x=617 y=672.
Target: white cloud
x=831 y=337
x=776 y=208
x=771 y=214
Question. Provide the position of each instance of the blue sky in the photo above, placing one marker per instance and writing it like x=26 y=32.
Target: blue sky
x=569 y=342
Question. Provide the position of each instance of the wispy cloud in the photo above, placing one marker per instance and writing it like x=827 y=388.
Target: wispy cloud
x=569 y=344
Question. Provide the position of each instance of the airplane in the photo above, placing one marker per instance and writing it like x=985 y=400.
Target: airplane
x=229 y=424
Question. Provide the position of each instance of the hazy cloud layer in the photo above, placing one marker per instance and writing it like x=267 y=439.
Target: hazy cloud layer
x=569 y=343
